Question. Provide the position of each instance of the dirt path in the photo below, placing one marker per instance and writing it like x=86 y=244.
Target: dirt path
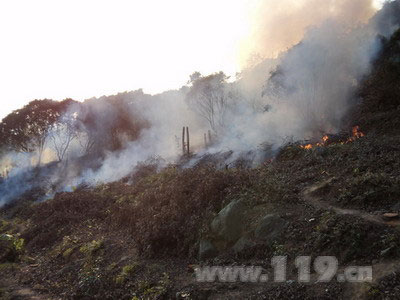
x=312 y=197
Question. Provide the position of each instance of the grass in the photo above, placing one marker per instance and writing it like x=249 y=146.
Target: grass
x=370 y=189
x=159 y=216
x=126 y=271
x=91 y=248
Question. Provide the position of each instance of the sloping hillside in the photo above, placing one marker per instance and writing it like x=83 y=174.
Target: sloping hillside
x=142 y=237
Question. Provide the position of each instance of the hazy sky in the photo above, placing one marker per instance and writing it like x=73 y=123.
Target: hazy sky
x=80 y=49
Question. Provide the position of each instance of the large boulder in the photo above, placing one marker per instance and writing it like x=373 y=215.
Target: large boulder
x=228 y=224
x=207 y=250
x=270 y=227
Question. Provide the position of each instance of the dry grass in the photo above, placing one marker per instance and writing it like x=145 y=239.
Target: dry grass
x=166 y=211
x=163 y=211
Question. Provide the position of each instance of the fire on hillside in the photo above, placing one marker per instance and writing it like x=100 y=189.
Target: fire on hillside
x=336 y=139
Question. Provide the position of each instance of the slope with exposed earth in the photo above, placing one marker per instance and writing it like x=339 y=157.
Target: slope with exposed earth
x=142 y=238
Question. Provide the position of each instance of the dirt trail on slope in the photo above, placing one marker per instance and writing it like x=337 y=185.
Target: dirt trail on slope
x=313 y=196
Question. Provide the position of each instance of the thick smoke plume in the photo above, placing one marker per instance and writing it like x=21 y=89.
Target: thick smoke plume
x=279 y=25
x=318 y=52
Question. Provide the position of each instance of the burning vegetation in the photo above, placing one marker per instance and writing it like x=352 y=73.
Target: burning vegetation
x=336 y=139
x=314 y=84
x=118 y=225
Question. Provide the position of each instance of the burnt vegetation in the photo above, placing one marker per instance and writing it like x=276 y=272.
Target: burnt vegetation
x=137 y=237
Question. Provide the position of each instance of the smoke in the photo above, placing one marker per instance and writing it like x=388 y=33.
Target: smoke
x=19 y=174
x=319 y=51
x=279 y=25
x=314 y=84
x=167 y=113
x=388 y=19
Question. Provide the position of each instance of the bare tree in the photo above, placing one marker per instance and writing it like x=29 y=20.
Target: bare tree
x=209 y=97
x=87 y=141
x=62 y=134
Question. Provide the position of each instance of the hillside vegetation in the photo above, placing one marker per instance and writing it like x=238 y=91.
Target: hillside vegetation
x=141 y=237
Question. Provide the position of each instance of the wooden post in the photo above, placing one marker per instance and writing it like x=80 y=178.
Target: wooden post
x=187 y=140
x=183 y=141
x=205 y=140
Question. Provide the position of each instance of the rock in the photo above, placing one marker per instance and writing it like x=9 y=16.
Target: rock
x=242 y=245
x=391 y=216
x=207 y=250
x=270 y=227
x=8 y=252
x=228 y=224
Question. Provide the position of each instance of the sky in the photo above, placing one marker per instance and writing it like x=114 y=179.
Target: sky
x=61 y=49
x=80 y=49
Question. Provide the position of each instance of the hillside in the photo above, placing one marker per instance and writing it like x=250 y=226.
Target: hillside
x=143 y=236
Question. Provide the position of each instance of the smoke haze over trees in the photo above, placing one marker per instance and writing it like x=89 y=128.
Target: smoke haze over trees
x=300 y=94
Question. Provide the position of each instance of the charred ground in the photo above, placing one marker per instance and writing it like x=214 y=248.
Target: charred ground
x=139 y=238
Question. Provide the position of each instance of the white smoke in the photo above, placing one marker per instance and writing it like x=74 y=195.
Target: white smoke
x=297 y=94
x=279 y=25
x=15 y=175
x=167 y=113
x=311 y=93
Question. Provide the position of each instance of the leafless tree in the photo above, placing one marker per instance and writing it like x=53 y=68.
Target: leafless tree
x=209 y=97
x=62 y=134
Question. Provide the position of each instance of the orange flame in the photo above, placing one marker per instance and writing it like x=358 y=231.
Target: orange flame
x=356 y=134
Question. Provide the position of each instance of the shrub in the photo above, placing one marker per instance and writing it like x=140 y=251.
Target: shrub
x=170 y=208
x=50 y=217
x=370 y=189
